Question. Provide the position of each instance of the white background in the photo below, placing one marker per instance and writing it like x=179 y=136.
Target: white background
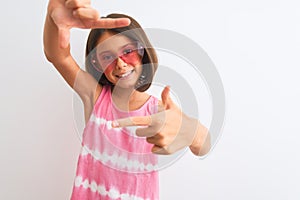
x=255 y=46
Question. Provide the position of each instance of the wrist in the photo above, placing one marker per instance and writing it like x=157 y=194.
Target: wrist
x=54 y=4
x=201 y=141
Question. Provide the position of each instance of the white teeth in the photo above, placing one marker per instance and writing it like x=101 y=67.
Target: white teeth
x=126 y=74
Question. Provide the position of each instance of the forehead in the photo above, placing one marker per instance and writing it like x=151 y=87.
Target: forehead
x=111 y=42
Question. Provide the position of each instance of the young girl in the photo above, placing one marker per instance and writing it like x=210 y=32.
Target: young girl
x=115 y=164
x=120 y=64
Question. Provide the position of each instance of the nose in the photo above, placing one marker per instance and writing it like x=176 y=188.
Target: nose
x=120 y=63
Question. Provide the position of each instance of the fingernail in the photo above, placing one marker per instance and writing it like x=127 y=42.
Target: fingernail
x=115 y=124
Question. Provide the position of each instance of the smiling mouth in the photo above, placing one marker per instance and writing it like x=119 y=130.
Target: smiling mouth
x=125 y=74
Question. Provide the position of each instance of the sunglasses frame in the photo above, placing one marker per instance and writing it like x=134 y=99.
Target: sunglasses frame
x=96 y=65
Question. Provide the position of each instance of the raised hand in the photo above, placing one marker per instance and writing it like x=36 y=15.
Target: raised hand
x=170 y=130
x=78 y=14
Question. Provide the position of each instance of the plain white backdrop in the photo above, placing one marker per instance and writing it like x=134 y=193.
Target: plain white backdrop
x=255 y=46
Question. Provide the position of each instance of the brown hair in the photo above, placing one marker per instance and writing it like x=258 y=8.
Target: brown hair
x=135 y=32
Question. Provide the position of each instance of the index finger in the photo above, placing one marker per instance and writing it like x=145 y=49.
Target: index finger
x=132 y=121
x=111 y=23
x=90 y=19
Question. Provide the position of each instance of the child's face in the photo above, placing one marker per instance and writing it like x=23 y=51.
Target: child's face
x=119 y=58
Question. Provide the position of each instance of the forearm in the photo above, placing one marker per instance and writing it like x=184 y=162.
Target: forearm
x=60 y=57
x=201 y=142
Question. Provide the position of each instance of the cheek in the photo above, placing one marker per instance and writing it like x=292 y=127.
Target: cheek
x=139 y=69
x=136 y=64
x=137 y=61
x=108 y=70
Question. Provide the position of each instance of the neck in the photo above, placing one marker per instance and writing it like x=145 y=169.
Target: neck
x=123 y=98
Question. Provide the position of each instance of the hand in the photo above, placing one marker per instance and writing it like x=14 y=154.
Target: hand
x=78 y=13
x=170 y=130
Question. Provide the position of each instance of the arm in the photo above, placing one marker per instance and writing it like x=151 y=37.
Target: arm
x=61 y=17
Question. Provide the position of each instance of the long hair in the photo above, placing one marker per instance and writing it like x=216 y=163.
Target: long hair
x=134 y=32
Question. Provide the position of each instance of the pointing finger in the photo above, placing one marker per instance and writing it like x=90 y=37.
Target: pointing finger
x=132 y=121
x=111 y=23
x=90 y=17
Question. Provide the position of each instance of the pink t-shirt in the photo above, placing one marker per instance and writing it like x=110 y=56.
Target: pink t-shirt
x=114 y=162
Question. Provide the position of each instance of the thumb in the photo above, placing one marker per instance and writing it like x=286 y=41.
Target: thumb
x=166 y=99
x=63 y=37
